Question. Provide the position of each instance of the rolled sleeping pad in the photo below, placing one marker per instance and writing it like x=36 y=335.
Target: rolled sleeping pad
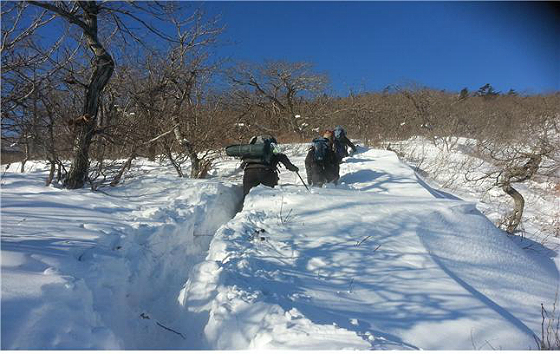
x=248 y=150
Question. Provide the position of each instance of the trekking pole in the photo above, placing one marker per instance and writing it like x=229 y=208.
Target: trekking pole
x=302 y=180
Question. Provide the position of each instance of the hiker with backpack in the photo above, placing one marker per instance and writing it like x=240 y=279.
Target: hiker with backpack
x=321 y=162
x=341 y=143
x=260 y=162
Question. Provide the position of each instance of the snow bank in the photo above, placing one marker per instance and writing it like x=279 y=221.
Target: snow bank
x=84 y=270
x=447 y=168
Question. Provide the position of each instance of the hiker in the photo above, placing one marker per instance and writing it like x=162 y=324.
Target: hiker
x=264 y=170
x=341 y=143
x=333 y=169
x=320 y=163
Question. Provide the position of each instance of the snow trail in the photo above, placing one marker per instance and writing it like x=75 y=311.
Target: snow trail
x=374 y=263
x=380 y=261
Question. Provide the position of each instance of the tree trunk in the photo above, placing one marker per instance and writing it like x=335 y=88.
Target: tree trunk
x=125 y=166
x=518 y=175
x=59 y=171
x=173 y=162
x=152 y=152
x=187 y=148
x=50 y=177
x=202 y=167
x=199 y=167
x=102 y=72
x=195 y=164
x=26 y=155
x=35 y=141
x=519 y=204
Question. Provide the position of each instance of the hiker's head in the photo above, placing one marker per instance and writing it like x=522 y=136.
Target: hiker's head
x=329 y=135
x=339 y=132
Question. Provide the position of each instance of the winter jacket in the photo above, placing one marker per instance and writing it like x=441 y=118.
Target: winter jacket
x=256 y=173
x=343 y=143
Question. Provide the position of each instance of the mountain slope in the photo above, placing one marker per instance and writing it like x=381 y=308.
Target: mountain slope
x=376 y=262
x=380 y=261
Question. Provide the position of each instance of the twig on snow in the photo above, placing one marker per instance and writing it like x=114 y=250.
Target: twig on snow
x=362 y=241
x=170 y=330
x=147 y=317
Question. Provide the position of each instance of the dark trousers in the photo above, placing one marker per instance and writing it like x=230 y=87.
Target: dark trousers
x=316 y=175
x=252 y=177
x=319 y=174
x=333 y=173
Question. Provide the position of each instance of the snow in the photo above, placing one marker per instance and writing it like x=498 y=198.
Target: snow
x=447 y=169
x=382 y=260
x=79 y=268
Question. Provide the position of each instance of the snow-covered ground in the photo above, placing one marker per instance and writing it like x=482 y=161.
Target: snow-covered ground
x=381 y=261
x=447 y=169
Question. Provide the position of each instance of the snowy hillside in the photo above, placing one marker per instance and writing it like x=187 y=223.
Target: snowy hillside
x=381 y=261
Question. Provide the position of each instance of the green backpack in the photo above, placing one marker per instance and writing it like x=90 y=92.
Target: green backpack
x=260 y=151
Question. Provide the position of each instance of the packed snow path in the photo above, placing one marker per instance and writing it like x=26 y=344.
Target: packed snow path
x=377 y=262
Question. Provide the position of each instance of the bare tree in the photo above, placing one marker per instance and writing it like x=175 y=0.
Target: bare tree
x=278 y=88
x=99 y=24
x=24 y=68
x=185 y=72
x=166 y=92
x=521 y=146
x=85 y=15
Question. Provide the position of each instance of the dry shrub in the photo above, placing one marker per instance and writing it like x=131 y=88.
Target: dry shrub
x=550 y=329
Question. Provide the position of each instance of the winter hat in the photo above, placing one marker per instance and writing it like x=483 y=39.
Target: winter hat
x=328 y=135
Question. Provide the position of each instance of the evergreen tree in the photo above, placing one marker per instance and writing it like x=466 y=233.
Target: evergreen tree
x=487 y=91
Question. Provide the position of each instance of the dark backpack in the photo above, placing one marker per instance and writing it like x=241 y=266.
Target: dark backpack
x=339 y=149
x=320 y=150
x=260 y=152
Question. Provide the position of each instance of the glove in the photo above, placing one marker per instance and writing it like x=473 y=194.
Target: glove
x=293 y=168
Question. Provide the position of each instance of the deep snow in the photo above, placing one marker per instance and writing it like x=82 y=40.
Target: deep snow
x=83 y=270
x=381 y=261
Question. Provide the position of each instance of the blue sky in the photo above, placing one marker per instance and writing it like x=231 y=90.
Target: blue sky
x=369 y=45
